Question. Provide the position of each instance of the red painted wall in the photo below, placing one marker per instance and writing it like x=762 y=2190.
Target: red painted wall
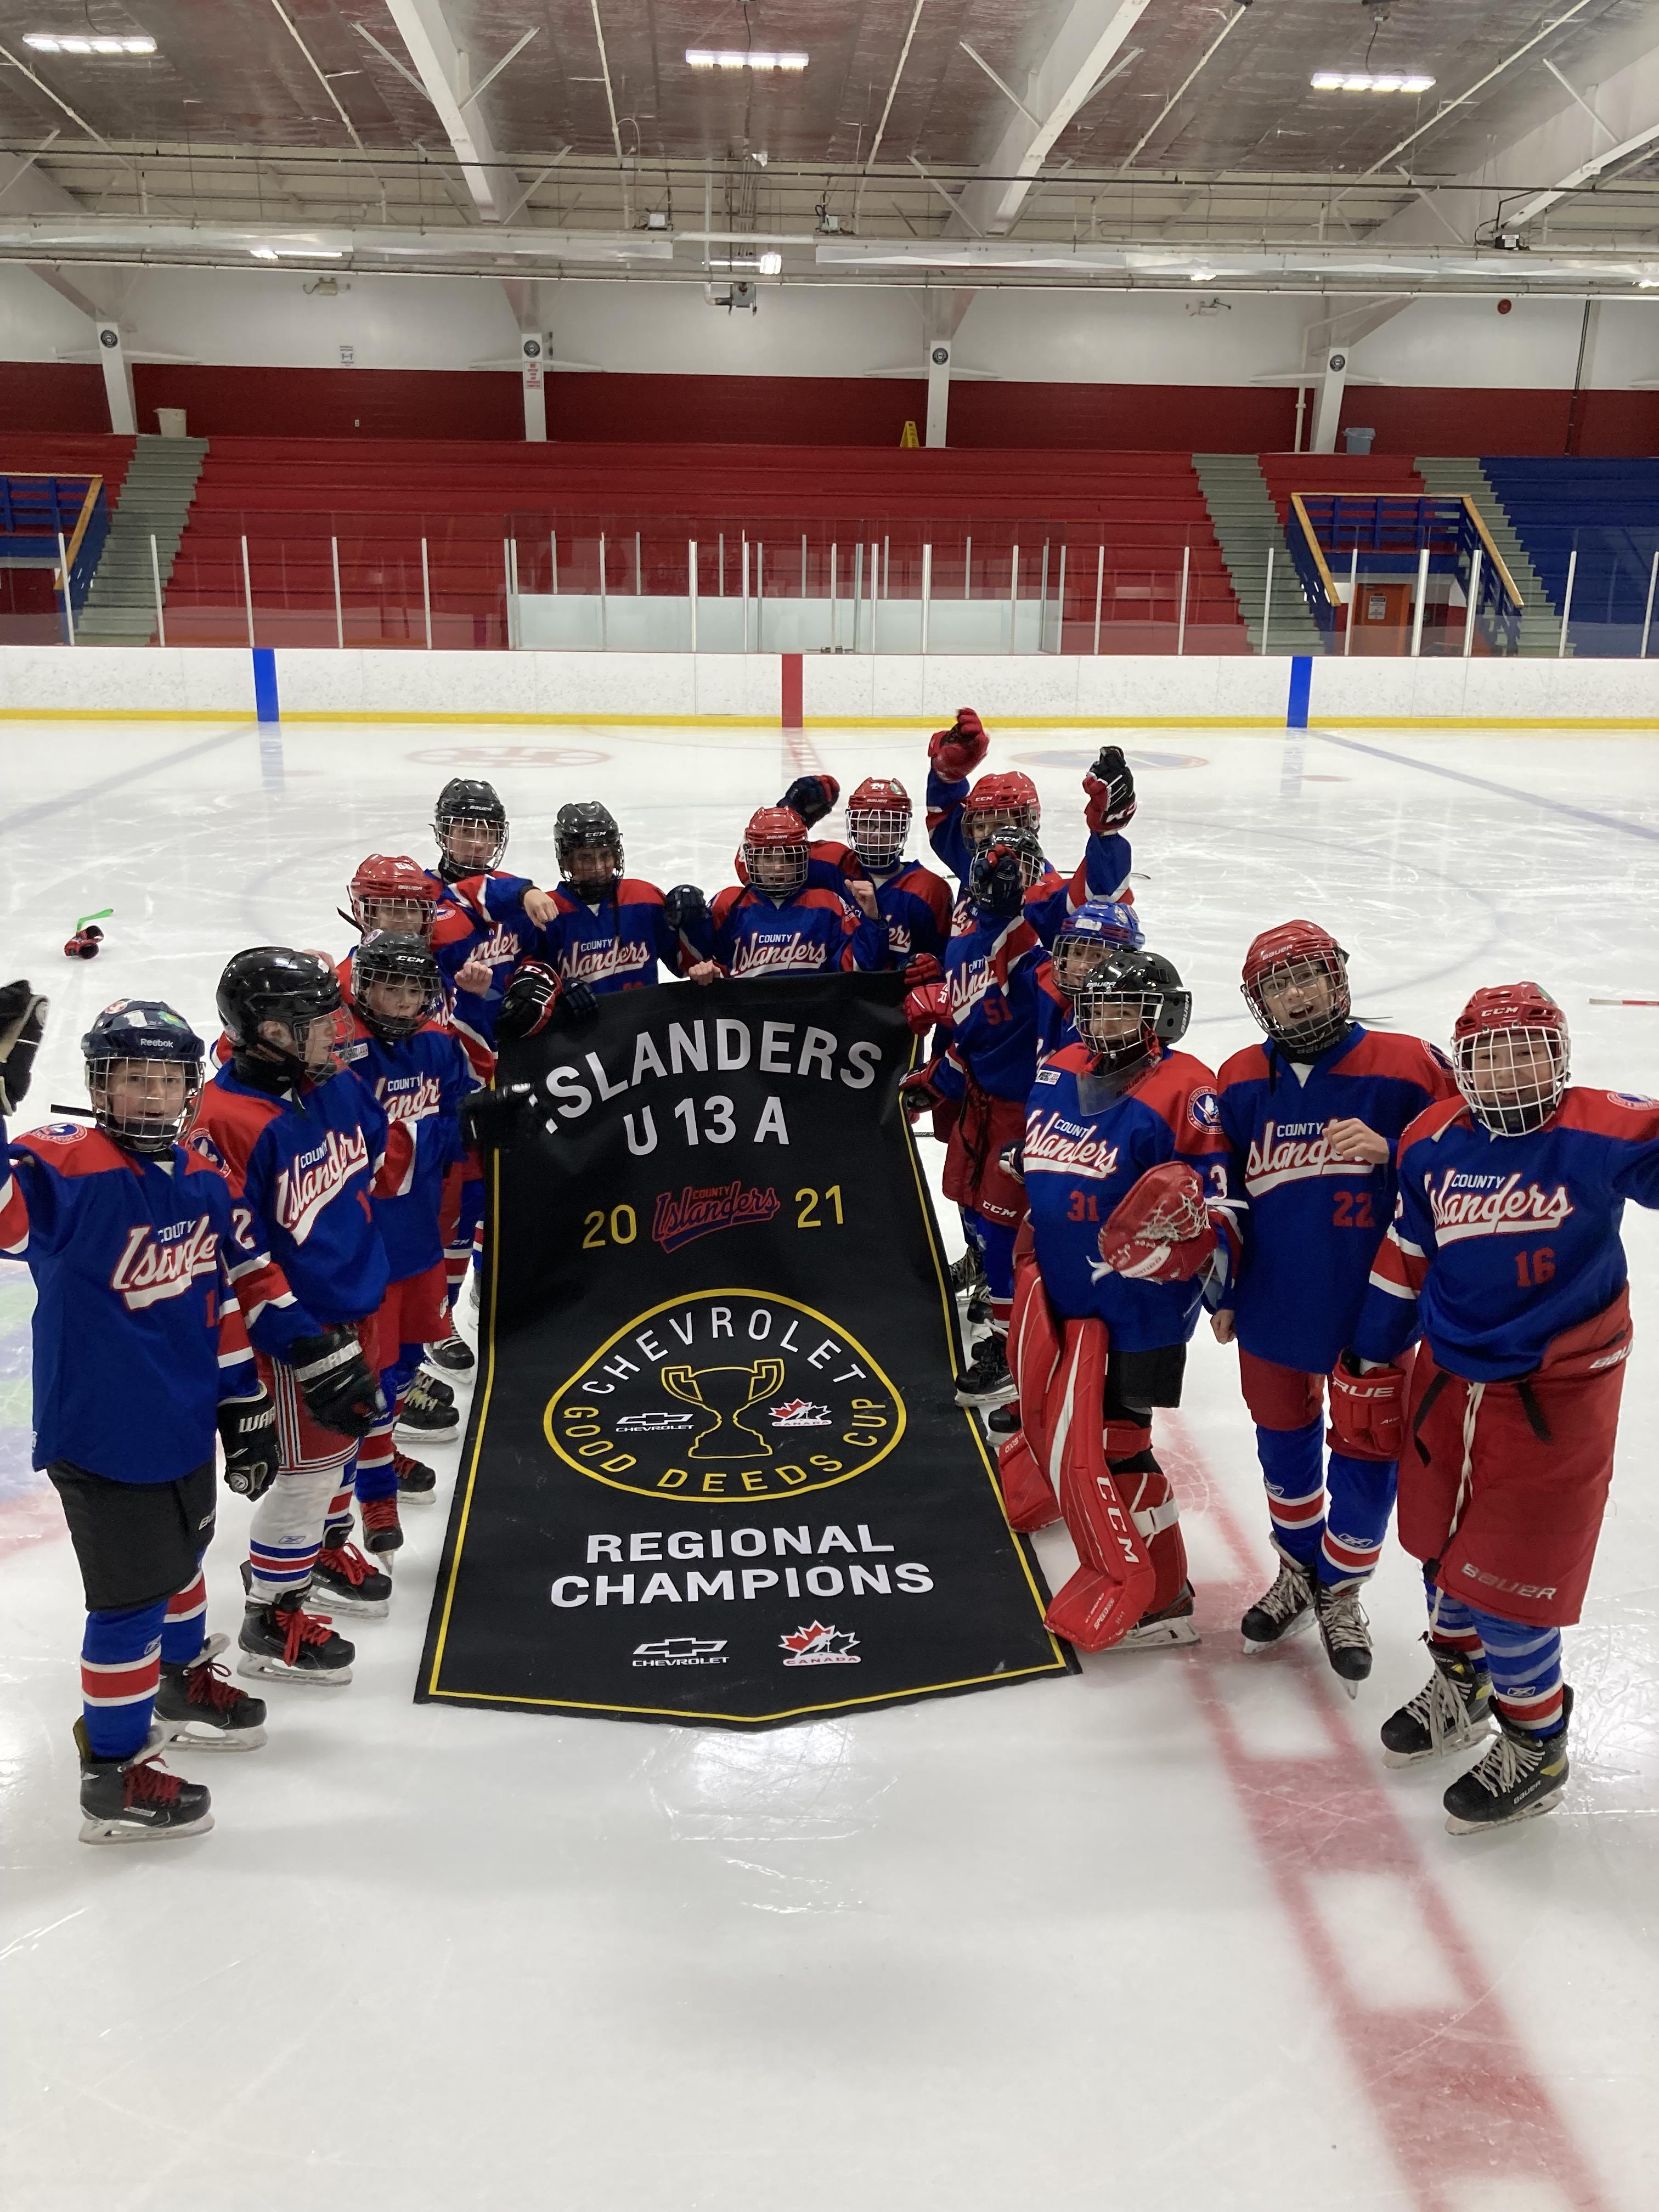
x=52 y=395
x=332 y=403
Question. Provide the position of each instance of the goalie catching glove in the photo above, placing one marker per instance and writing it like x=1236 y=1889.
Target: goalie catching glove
x=1368 y=1411
x=1111 y=792
x=340 y=1392
x=248 y=1430
x=1162 y=1231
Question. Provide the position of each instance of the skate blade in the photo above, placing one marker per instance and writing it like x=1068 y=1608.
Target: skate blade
x=375 y=1608
x=124 y=1832
x=217 y=1739
x=1457 y=1827
x=1160 y=1635
x=1466 y=1739
x=264 y=1670
x=987 y=1398
x=418 y=1498
x=1254 y=1650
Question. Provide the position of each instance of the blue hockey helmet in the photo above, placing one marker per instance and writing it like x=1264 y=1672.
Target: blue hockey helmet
x=131 y=1052
x=1085 y=938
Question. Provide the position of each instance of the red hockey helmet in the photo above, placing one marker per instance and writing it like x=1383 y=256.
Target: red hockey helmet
x=879 y=821
x=1511 y=1056
x=774 y=850
x=1007 y=800
x=391 y=891
x=1296 y=984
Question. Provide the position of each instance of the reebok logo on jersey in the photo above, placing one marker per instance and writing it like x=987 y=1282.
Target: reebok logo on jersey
x=594 y=964
x=1055 y=1146
x=304 y=1189
x=1464 y=1205
x=410 y=1097
x=163 y=1263
x=755 y=954
x=1292 y=1151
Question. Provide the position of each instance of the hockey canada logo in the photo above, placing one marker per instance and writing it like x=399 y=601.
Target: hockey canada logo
x=682 y=1219
x=723 y=1397
x=163 y=1263
x=682 y=1651
x=818 y=1646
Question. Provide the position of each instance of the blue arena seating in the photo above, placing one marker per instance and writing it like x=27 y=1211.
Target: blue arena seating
x=1608 y=510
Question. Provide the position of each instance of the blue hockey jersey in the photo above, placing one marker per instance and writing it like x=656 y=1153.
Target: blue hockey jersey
x=418 y=1083
x=1001 y=992
x=817 y=932
x=1102 y=873
x=915 y=904
x=620 y=942
x=1500 y=1244
x=1312 y=1224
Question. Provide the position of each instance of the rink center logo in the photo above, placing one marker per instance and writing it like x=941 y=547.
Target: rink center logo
x=725 y=1397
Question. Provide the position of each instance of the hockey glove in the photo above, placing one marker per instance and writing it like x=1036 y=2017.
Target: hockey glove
x=527 y=1003
x=578 y=1005
x=23 y=1024
x=811 y=797
x=248 y=1430
x=1111 y=790
x=998 y=884
x=923 y=968
x=957 y=751
x=1011 y=1160
x=925 y=1006
x=492 y=1119
x=1368 y=1411
x=918 y=1093
x=683 y=907
x=340 y=1392
x=1161 y=1232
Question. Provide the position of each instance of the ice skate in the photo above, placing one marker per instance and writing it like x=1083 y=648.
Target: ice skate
x=1285 y=1610
x=134 y=1800
x=1171 y=1625
x=382 y=1532
x=1520 y=1776
x=966 y=1275
x=986 y=1380
x=199 y=1706
x=282 y=1643
x=1345 y=1632
x=978 y=1311
x=343 y=1581
x=1003 y=1420
x=453 y=1354
x=417 y=1481
x=1452 y=1711
x=429 y=1409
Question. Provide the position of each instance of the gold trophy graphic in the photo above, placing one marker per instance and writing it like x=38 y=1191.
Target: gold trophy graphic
x=725 y=1394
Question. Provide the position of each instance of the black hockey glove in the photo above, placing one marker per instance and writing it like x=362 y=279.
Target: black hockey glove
x=492 y=1119
x=999 y=882
x=1111 y=789
x=918 y=1092
x=334 y=1378
x=1011 y=1160
x=528 y=1002
x=811 y=797
x=683 y=906
x=248 y=1430
x=579 y=1004
x=23 y=1024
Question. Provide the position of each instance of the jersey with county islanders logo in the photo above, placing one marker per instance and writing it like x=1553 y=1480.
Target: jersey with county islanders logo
x=1102 y=873
x=1086 y=1146
x=915 y=904
x=1002 y=994
x=1312 y=1224
x=419 y=1083
x=819 y=930
x=1499 y=1244
x=305 y=1163
x=619 y=942
x=149 y=1277
x=481 y=918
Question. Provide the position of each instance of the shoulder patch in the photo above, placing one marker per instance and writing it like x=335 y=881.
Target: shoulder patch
x=62 y=1132
x=1632 y=1098
x=1047 y=1075
x=1202 y=1111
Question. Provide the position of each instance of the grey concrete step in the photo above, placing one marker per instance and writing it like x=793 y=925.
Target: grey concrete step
x=154 y=503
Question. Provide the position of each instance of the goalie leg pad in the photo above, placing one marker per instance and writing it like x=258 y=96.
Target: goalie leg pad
x=1152 y=1502
x=1027 y=1496
x=1115 y=1581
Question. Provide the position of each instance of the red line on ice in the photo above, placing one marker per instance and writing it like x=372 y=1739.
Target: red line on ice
x=1453 y=2090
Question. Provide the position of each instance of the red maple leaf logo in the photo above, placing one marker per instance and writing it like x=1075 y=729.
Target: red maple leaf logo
x=805 y=1638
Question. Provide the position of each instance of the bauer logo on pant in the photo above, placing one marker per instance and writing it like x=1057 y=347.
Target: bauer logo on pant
x=725 y=1397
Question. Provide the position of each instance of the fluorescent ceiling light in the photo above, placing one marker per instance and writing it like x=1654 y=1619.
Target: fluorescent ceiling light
x=1362 y=81
x=296 y=253
x=53 y=42
x=732 y=58
x=1202 y=276
x=1647 y=284
x=770 y=264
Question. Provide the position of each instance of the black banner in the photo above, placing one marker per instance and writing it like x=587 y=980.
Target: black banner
x=714 y=1470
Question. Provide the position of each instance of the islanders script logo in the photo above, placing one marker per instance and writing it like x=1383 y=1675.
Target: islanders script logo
x=1292 y=1151
x=1465 y=1205
x=698 y=1212
x=163 y=1263
x=305 y=1188
x=596 y=960
x=754 y=955
x=1055 y=1146
x=726 y=1397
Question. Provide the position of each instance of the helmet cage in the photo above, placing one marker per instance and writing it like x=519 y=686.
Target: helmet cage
x=982 y=821
x=153 y=1133
x=1076 y=957
x=444 y=826
x=1514 y=1076
x=392 y=958
x=368 y=910
x=1100 y=1008
x=879 y=834
x=1306 y=1035
x=778 y=870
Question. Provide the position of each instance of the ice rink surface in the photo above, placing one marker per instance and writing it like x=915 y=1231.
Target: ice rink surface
x=1163 y=1937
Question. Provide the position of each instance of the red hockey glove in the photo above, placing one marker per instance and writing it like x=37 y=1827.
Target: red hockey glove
x=923 y=968
x=925 y=1007
x=1368 y=1411
x=957 y=751
x=1162 y=1231
x=1111 y=789
x=919 y=1094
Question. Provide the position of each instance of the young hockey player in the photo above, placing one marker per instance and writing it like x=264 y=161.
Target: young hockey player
x=777 y=924
x=1082 y=941
x=418 y=1075
x=1126 y=1171
x=301 y=1141
x=139 y=1254
x=612 y=931
x=915 y=903
x=997 y=981
x=1504 y=1253
x=1311 y=1119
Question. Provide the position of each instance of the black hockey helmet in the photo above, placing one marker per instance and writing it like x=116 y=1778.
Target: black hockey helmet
x=149 y=1039
x=587 y=825
x=1004 y=869
x=274 y=983
x=468 y=802
x=391 y=956
x=1132 y=1002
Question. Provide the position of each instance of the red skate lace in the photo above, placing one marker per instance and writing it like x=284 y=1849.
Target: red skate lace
x=401 y=1462
x=300 y=1627
x=378 y=1513
x=211 y=1685
x=346 y=1562
x=149 y=1785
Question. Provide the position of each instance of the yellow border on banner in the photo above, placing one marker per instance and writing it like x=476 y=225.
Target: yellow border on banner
x=676 y=1712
